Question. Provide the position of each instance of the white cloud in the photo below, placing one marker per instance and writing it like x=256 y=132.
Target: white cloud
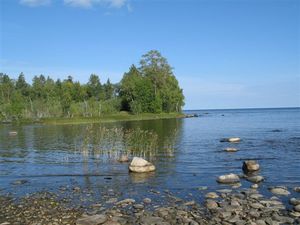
x=91 y=3
x=34 y=3
x=79 y=3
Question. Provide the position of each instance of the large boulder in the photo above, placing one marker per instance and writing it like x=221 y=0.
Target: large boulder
x=232 y=139
x=140 y=165
x=250 y=166
x=228 y=179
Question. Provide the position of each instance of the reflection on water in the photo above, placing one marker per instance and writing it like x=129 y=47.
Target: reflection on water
x=187 y=152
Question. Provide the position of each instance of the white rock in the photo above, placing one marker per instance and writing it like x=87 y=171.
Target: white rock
x=232 y=139
x=231 y=149
x=228 y=179
x=140 y=165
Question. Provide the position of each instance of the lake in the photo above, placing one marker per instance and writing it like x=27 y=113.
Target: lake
x=187 y=153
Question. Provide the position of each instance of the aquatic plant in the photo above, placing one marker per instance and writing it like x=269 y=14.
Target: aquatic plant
x=110 y=143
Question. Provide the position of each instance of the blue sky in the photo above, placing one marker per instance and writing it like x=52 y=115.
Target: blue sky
x=225 y=53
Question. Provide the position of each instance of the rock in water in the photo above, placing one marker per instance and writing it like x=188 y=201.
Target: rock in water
x=232 y=139
x=297 y=189
x=123 y=158
x=228 y=179
x=297 y=208
x=250 y=166
x=230 y=150
x=255 y=179
x=140 y=165
x=13 y=133
x=91 y=220
x=279 y=191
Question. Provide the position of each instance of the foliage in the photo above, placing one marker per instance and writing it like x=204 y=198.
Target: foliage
x=152 y=88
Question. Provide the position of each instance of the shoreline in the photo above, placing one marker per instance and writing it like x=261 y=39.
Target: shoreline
x=224 y=206
x=108 y=118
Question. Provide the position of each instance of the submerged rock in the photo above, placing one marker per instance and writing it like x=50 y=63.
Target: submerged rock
x=19 y=182
x=228 y=179
x=250 y=166
x=140 y=165
x=123 y=158
x=232 y=139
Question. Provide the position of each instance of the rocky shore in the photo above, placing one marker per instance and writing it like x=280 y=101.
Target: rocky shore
x=225 y=206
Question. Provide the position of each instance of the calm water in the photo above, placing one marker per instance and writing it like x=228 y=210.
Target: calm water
x=189 y=154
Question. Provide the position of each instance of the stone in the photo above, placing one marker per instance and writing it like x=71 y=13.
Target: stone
x=147 y=200
x=260 y=222
x=295 y=201
x=297 y=189
x=126 y=201
x=297 y=208
x=202 y=188
x=212 y=195
x=13 y=133
x=189 y=203
x=92 y=220
x=140 y=165
x=232 y=139
x=19 y=182
x=256 y=206
x=230 y=149
x=254 y=186
x=279 y=191
x=210 y=204
x=138 y=206
x=228 y=179
x=112 y=223
x=151 y=220
x=255 y=179
x=250 y=166
x=123 y=158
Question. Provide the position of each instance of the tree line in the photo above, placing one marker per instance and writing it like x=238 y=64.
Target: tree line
x=149 y=88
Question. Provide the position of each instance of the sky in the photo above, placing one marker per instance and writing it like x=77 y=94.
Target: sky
x=225 y=53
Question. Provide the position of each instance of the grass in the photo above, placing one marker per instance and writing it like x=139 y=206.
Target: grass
x=122 y=116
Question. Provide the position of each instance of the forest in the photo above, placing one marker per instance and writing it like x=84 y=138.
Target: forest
x=149 y=88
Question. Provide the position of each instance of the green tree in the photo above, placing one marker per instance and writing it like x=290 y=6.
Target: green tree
x=108 y=90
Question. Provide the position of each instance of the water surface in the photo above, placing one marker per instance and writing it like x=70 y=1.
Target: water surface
x=188 y=154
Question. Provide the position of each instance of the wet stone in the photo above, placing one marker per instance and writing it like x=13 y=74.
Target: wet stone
x=92 y=220
x=212 y=195
x=147 y=200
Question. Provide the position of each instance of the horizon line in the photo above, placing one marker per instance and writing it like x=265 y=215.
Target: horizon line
x=245 y=108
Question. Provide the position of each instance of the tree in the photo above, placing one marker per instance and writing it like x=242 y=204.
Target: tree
x=108 y=90
x=94 y=88
x=22 y=86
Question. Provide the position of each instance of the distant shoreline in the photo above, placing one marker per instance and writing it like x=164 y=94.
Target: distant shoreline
x=106 y=118
x=189 y=110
